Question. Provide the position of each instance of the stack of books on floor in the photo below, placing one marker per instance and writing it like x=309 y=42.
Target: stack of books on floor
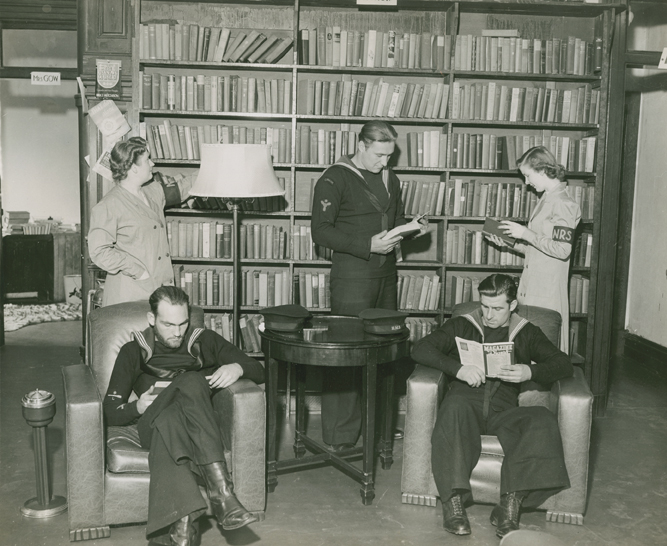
x=13 y=221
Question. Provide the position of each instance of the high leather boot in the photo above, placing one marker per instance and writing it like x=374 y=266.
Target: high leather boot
x=227 y=509
x=183 y=532
x=506 y=514
x=454 y=517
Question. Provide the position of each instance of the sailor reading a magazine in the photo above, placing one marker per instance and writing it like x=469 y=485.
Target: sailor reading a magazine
x=478 y=352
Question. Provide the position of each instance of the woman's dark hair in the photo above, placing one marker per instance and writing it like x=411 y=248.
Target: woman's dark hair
x=171 y=294
x=542 y=160
x=377 y=131
x=497 y=284
x=125 y=154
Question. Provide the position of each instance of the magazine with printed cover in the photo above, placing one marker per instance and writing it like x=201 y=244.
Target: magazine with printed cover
x=488 y=357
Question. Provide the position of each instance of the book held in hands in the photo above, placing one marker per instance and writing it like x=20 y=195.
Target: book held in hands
x=493 y=227
x=488 y=357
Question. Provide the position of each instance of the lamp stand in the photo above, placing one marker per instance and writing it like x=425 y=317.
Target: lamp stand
x=235 y=205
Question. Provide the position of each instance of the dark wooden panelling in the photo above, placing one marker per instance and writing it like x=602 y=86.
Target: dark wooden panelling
x=107 y=33
x=645 y=351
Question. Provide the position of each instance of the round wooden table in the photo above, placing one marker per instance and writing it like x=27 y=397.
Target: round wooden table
x=333 y=341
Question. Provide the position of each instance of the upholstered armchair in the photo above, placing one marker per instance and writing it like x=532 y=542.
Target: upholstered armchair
x=570 y=399
x=107 y=470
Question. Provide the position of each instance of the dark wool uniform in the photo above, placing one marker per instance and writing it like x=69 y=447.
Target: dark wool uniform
x=529 y=436
x=179 y=427
x=350 y=206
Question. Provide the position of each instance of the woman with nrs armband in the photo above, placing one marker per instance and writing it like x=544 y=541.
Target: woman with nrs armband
x=547 y=241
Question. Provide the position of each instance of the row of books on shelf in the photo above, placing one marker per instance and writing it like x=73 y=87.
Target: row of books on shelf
x=192 y=42
x=494 y=102
x=426 y=149
x=167 y=140
x=470 y=247
x=214 y=240
x=579 y=287
x=461 y=289
x=420 y=327
x=508 y=52
x=418 y=292
x=488 y=151
x=379 y=98
x=475 y=198
x=312 y=288
x=337 y=47
x=214 y=286
x=324 y=146
x=582 y=251
x=303 y=247
x=210 y=93
x=463 y=198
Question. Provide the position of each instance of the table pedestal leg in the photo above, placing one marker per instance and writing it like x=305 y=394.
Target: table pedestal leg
x=299 y=447
x=368 y=431
x=271 y=378
x=386 y=451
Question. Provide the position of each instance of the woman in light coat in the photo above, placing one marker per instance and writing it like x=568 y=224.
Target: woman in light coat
x=548 y=239
x=128 y=235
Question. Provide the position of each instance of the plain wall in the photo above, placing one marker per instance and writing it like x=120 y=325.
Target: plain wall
x=39 y=143
x=646 y=314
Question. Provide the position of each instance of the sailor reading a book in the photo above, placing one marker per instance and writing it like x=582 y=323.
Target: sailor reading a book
x=487 y=355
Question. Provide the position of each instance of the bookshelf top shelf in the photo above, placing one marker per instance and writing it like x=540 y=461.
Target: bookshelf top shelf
x=159 y=63
x=525 y=76
x=576 y=8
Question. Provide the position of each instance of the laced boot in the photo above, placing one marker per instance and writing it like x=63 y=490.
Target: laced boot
x=506 y=514
x=454 y=517
x=227 y=509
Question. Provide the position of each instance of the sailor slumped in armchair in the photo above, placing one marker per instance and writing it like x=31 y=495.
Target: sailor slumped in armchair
x=533 y=468
x=178 y=425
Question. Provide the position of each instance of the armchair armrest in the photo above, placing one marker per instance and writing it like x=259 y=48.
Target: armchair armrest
x=242 y=416
x=425 y=389
x=575 y=415
x=84 y=433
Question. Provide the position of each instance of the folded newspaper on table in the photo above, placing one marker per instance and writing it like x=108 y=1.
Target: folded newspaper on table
x=488 y=357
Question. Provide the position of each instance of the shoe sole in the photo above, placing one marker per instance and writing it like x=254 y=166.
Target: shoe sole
x=458 y=533
x=252 y=519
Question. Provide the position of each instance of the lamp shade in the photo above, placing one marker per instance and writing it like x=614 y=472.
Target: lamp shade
x=236 y=171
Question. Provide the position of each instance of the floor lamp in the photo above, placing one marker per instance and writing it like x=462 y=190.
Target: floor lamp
x=236 y=173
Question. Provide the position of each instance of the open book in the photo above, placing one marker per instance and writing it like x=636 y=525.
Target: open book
x=405 y=230
x=488 y=357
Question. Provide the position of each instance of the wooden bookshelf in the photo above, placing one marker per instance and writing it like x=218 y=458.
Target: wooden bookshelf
x=461 y=25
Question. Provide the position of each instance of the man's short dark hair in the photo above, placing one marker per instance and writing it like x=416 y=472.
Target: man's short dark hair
x=497 y=284
x=377 y=131
x=171 y=294
x=125 y=154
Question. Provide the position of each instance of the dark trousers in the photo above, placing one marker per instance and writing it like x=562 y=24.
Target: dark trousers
x=341 y=400
x=529 y=437
x=180 y=430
